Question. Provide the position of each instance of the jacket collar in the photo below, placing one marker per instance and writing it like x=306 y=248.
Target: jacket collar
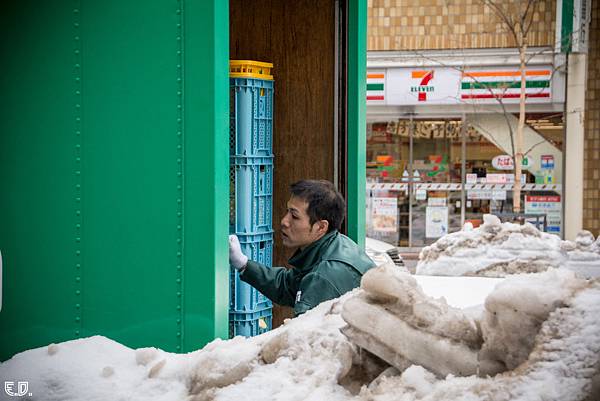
x=312 y=254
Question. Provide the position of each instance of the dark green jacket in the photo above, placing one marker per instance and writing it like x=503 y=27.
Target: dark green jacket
x=324 y=270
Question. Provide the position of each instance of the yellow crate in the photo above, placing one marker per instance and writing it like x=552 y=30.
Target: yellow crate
x=250 y=69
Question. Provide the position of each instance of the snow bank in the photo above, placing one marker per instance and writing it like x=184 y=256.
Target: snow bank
x=497 y=249
x=563 y=365
x=308 y=358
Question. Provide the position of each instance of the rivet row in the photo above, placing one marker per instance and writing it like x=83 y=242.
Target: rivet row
x=77 y=110
x=180 y=151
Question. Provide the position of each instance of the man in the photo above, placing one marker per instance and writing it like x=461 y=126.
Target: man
x=326 y=263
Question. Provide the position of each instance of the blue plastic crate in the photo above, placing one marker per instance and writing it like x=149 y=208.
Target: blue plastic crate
x=250 y=324
x=243 y=297
x=251 y=117
x=251 y=195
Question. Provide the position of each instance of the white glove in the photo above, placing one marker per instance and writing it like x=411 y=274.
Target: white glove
x=236 y=258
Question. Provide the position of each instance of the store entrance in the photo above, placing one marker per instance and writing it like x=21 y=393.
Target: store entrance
x=428 y=177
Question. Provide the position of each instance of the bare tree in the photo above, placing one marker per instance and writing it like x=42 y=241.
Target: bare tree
x=517 y=17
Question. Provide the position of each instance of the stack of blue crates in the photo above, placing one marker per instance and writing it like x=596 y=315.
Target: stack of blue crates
x=251 y=189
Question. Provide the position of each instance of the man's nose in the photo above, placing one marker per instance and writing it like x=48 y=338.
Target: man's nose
x=284 y=221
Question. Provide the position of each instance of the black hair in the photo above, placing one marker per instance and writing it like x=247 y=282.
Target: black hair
x=324 y=201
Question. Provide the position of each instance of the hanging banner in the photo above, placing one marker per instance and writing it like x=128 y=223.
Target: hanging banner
x=436 y=221
x=384 y=214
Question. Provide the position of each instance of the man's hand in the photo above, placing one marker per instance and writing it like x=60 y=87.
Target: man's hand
x=236 y=258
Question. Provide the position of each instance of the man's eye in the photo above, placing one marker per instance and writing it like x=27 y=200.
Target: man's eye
x=295 y=217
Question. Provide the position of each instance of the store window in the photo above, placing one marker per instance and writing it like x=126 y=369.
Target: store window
x=427 y=177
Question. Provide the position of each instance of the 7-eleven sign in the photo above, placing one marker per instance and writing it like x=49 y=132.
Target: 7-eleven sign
x=375 y=86
x=423 y=86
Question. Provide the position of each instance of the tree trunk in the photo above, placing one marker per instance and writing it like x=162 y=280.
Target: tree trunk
x=518 y=162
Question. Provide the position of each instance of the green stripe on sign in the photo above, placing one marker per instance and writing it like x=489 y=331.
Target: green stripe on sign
x=504 y=84
x=374 y=87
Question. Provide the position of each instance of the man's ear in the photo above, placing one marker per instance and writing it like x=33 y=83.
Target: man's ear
x=323 y=226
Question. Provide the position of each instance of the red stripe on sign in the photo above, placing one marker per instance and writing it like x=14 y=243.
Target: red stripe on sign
x=375 y=97
x=505 y=96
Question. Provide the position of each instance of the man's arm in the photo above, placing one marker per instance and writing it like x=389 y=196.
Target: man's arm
x=277 y=283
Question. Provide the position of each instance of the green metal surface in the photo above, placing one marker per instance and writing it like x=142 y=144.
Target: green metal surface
x=357 y=142
x=207 y=173
x=37 y=176
x=566 y=26
x=113 y=165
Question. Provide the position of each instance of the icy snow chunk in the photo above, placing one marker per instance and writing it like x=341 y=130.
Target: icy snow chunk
x=222 y=366
x=515 y=310
x=107 y=371
x=491 y=220
x=419 y=379
x=584 y=239
x=52 y=349
x=143 y=356
x=404 y=297
x=155 y=370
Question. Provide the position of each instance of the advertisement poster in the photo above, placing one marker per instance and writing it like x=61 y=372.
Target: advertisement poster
x=548 y=205
x=436 y=224
x=384 y=214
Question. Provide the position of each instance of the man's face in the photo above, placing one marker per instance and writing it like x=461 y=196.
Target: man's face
x=296 y=230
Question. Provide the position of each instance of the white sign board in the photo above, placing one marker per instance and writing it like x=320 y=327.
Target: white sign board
x=445 y=85
x=384 y=214
x=436 y=221
x=412 y=86
x=505 y=162
x=481 y=194
x=548 y=205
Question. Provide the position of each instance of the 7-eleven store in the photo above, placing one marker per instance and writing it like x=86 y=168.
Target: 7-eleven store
x=439 y=141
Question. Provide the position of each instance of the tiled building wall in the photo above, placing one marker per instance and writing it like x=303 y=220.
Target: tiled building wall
x=591 y=192
x=448 y=24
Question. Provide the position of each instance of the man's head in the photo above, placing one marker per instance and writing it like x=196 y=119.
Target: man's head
x=314 y=209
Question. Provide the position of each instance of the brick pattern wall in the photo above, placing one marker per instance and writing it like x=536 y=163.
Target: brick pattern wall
x=448 y=24
x=591 y=192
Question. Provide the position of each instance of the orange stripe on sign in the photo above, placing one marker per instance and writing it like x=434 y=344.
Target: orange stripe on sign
x=475 y=74
x=375 y=76
x=419 y=74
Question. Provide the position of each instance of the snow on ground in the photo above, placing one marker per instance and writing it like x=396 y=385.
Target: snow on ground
x=496 y=249
x=308 y=358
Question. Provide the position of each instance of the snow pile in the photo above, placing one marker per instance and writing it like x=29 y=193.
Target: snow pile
x=498 y=249
x=563 y=365
x=303 y=359
x=308 y=358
